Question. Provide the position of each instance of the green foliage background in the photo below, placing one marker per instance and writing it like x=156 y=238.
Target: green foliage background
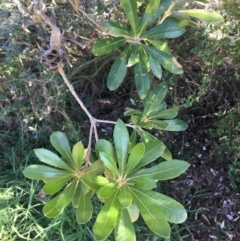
x=34 y=103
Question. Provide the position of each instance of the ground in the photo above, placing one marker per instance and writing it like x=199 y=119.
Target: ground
x=34 y=103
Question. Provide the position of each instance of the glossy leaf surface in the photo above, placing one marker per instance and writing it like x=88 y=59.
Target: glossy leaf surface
x=165 y=114
x=60 y=143
x=124 y=230
x=84 y=209
x=77 y=194
x=121 y=142
x=134 y=157
x=142 y=79
x=176 y=125
x=41 y=172
x=155 y=67
x=109 y=163
x=78 y=154
x=166 y=60
x=147 y=183
x=205 y=15
x=117 y=73
x=51 y=159
x=133 y=212
x=66 y=196
x=107 y=46
x=50 y=209
x=94 y=182
x=106 y=191
x=149 y=16
x=96 y=168
x=117 y=29
x=168 y=29
x=154 y=99
x=107 y=218
x=55 y=185
x=153 y=150
x=151 y=214
x=163 y=171
x=130 y=10
x=172 y=210
x=106 y=147
x=125 y=196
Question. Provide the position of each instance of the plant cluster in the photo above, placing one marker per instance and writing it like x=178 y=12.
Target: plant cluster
x=121 y=174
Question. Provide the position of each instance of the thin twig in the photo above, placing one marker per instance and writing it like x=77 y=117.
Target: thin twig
x=62 y=73
x=41 y=14
x=89 y=145
x=93 y=121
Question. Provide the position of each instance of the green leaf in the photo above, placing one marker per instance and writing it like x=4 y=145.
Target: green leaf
x=51 y=159
x=106 y=147
x=142 y=79
x=77 y=194
x=144 y=182
x=144 y=58
x=172 y=210
x=176 y=125
x=78 y=154
x=117 y=73
x=55 y=185
x=130 y=10
x=96 y=168
x=84 y=188
x=107 y=218
x=132 y=140
x=94 y=182
x=130 y=111
x=154 y=99
x=41 y=172
x=165 y=114
x=160 y=45
x=125 y=196
x=149 y=15
x=167 y=154
x=162 y=106
x=134 y=57
x=164 y=171
x=146 y=125
x=166 y=60
x=135 y=119
x=155 y=67
x=60 y=143
x=158 y=124
x=134 y=157
x=84 y=209
x=168 y=29
x=124 y=230
x=115 y=28
x=133 y=212
x=182 y=19
x=50 y=209
x=121 y=142
x=66 y=196
x=106 y=191
x=153 y=217
x=109 y=164
x=208 y=16
x=107 y=46
x=164 y=6
x=153 y=150
x=146 y=136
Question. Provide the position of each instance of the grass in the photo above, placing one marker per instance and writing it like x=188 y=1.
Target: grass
x=21 y=202
x=33 y=104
